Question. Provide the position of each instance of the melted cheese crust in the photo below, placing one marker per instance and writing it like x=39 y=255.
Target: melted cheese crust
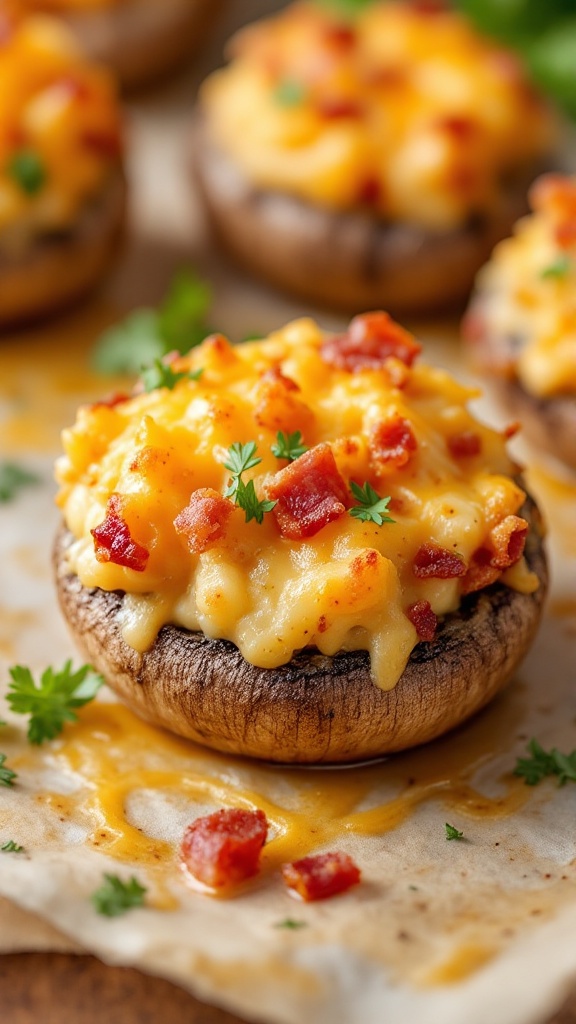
x=348 y=586
x=527 y=292
x=57 y=106
x=408 y=112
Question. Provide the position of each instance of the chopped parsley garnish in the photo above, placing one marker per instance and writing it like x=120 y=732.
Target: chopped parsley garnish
x=11 y=847
x=178 y=324
x=291 y=924
x=28 y=171
x=161 y=375
x=289 y=93
x=240 y=458
x=288 y=446
x=115 y=897
x=54 y=700
x=559 y=268
x=370 y=507
x=543 y=763
x=7 y=776
x=12 y=479
x=453 y=833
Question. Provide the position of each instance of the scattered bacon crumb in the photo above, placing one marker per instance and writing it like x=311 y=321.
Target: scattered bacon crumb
x=223 y=848
x=511 y=429
x=460 y=127
x=338 y=109
x=204 y=519
x=423 y=619
x=508 y=539
x=342 y=36
x=556 y=194
x=113 y=541
x=112 y=401
x=392 y=443
x=465 y=445
x=322 y=624
x=433 y=562
x=370 y=340
x=317 y=878
x=278 y=405
x=480 y=572
x=369 y=191
x=104 y=144
x=310 y=493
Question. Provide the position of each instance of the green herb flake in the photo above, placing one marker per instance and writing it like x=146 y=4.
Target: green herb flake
x=291 y=924
x=28 y=171
x=370 y=507
x=12 y=479
x=7 y=776
x=161 y=375
x=115 y=897
x=247 y=499
x=54 y=700
x=289 y=93
x=345 y=8
x=288 y=446
x=242 y=457
x=543 y=763
x=11 y=847
x=453 y=833
x=559 y=269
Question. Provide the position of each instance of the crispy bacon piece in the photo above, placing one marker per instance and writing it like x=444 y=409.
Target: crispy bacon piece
x=112 y=401
x=480 y=573
x=459 y=127
x=204 y=519
x=369 y=191
x=392 y=443
x=433 y=562
x=508 y=539
x=423 y=619
x=278 y=405
x=339 y=109
x=464 y=445
x=309 y=493
x=113 y=541
x=223 y=848
x=317 y=878
x=105 y=144
x=370 y=340
x=556 y=194
x=341 y=36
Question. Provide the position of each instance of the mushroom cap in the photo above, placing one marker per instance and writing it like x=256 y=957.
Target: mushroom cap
x=315 y=709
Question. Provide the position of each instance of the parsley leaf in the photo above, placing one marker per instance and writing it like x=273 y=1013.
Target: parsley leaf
x=247 y=499
x=558 y=269
x=161 y=375
x=28 y=171
x=12 y=479
x=291 y=924
x=371 y=507
x=52 y=703
x=289 y=93
x=7 y=776
x=240 y=457
x=115 y=897
x=543 y=763
x=453 y=833
x=178 y=324
x=11 y=847
x=288 y=446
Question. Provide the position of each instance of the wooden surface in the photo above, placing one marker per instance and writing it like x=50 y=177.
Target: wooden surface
x=58 y=988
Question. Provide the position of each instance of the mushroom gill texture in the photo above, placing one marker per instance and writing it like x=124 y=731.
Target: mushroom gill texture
x=53 y=270
x=348 y=260
x=315 y=709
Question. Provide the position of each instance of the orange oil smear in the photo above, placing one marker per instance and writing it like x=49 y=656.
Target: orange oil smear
x=557 y=498
x=466 y=960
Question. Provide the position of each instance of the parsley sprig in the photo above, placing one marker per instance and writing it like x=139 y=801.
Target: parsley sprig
x=370 y=507
x=27 y=169
x=7 y=776
x=12 y=479
x=242 y=457
x=289 y=93
x=53 y=702
x=161 y=375
x=178 y=324
x=291 y=924
x=543 y=763
x=11 y=847
x=115 y=897
x=559 y=269
x=452 y=832
x=288 y=446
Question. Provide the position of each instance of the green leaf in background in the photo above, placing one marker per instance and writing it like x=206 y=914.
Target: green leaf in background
x=552 y=61
x=12 y=479
x=27 y=170
x=515 y=20
x=182 y=315
x=345 y=8
x=127 y=346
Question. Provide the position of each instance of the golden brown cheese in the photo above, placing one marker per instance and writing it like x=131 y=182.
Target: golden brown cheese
x=60 y=112
x=348 y=586
x=527 y=293
x=404 y=110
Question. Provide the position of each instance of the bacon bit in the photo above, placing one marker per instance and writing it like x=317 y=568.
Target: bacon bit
x=113 y=541
x=556 y=194
x=277 y=405
x=480 y=572
x=322 y=624
x=317 y=878
x=460 y=127
x=508 y=540
x=204 y=519
x=391 y=77
x=105 y=144
x=223 y=848
x=310 y=493
x=511 y=430
x=423 y=619
x=110 y=403
x=369 y=191
x=370 y=340
x=392 y=443
x=464 y=445
x=338 y=109
x=433 y=562
x=342 y=36
x=74 y=88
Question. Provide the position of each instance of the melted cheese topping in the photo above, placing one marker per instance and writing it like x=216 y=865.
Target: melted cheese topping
x=405 y=111
x=526 y=295
x=345 y=588
x=60 y=110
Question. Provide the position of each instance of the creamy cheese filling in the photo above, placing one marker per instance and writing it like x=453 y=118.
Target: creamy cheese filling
x=351 y=584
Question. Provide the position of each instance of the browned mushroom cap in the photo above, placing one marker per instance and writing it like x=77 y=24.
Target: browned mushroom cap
x=51 y=271
x=315 y=709
x=349 y=261
x=143 y=39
